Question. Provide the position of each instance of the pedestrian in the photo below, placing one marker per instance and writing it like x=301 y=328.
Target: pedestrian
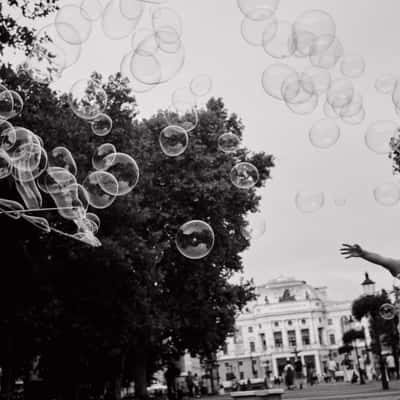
x=170 y=376
x=361 y=364
x=289 y=374
x=189 y=383
x=196 y=386
x=332 y=368
x=298 y=368
x=391 y=366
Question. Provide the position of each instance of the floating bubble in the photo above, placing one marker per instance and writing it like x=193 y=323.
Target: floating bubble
x=309 y=28
x=379 y=135
x=309 y=202
x=173 y=140
x=304 y=107
x=166 y=20
x=98 y=159
x=281 y=44
x=352 y=65
x=244 y=175
x=258 y=9
x=324 y=133
x=55 y=180
x=183 y=96
x=72 y=202
x=316 y=80
x=355 y=119
x=124 y=168
x=71 y=15
x=101 y=125
x=91 y=9
x=331 y=53
x=184 y=115
x=131 y=9
x=353 y=108
x=296 y=91
x=387 y=194
x=7 y=135
x=96 y=184
x=87 y=98
x=195 y=239
x=115 y=24
x=18 y=104
x=385 y=84
x=6 y=102
x=255 y=226
x=51 y=54
x=201 y=85
x=329 y=111
x=387 y=311
x=340 y=93
x=228 y=142
x=256 y=32
x=5 y=164
x=273 y=78
x=61 y=157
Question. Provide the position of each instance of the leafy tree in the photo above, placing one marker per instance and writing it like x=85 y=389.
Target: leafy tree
x=12 y=33
x=368 y=306
x=148 y=304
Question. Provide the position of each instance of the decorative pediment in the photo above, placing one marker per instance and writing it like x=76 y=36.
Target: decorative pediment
x=286 y=296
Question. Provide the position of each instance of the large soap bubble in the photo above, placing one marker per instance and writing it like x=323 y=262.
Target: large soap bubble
x=379 y=135
x=98 y=158
x=101 y=125
x=331 y=53
x=98 y=185
x=173 y=140
x=255 y=226
x=87 y=98
x=282 y=43
x=273 y=78
x=256 y=32
x=244 y=175
x=324 y=133
x=387 y=194
x=309 y=202
x=195 y=239
x=385 y=84
x=201 y=85
x=352 y=65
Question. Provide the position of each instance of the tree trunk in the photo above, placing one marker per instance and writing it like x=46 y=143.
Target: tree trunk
x=395 y=351
x=140 y=376
x=7 y=381
x=382 y=366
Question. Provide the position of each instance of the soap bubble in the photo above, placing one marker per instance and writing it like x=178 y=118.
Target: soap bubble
x=281 y=44
x=98 y=159
x=173 y=140
x=379 y=134
x=273 y=78
x=255 y=226
x=61 y=157
x=258 y=9
x=101 y=125
x=387 y=311
x=244 y=175
x=126 y=171
x=131 y=9
x=71 y=15
x=324 y=133
x=256 y=33
x=309 y=202
x=309 y=27
x=228 y=142
x=195 y=239
x=168 y=23
x=352 y=66
x=331 y=53
x=356 y=118
x=385 y=84
x=387 y=194
x=201 y=85
x=340 y=93
x=91 y=9
x=7 y=135
x=6 y=102
x=87 y=98
x=317 y=79
x=184 y=115
x=98 y=185
x=5 y=164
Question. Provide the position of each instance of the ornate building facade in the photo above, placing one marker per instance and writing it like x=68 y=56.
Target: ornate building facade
x=289 y=317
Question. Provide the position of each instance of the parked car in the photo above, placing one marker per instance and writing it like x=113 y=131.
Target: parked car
x=157 y=389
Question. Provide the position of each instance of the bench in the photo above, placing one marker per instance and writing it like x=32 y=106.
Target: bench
x=269 y=394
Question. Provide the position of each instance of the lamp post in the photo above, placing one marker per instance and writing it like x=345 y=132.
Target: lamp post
x=368 y=286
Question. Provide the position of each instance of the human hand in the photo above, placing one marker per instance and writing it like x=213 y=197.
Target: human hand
x=349 y=251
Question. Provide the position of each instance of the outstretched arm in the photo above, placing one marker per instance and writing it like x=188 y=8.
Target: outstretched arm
x=390 y=264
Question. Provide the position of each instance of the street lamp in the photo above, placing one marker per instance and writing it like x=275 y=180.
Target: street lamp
x=368 y=286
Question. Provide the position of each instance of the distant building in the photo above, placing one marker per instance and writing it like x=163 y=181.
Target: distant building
x=288 y=316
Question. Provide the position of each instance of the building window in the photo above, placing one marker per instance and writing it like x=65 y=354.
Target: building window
x=227 y=365
x=332 y=339
x=263 y=341
x=240 y=363
x=276 y=323
x=278 y=339
x=241 y=375
x=292 y=338
x=305 y=337
x=290 y=322
x=225 y=349
x=303 y=321
x=330 y=322
x=228 y=376
x=320 y=335
x=260 y=326
x=252 y=347
x=250 y=329
x=319 y=320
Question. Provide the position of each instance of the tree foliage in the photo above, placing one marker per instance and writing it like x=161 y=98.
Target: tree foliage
x=135 y=303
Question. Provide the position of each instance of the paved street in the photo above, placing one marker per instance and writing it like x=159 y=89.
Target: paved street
x=343 y=391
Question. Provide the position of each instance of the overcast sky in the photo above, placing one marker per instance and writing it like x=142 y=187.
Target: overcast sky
x=304 y=246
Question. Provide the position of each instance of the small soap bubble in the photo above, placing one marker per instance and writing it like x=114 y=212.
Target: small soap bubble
x=244 y=175
x=309 y=202
x=324 y=133
x=173 y=140
x=228 y=142
x=101 y=125
x=387 y=194
x=387 y=311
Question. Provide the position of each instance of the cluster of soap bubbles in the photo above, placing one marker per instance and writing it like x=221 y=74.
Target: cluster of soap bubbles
x=36 y=171
x=156 y=55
